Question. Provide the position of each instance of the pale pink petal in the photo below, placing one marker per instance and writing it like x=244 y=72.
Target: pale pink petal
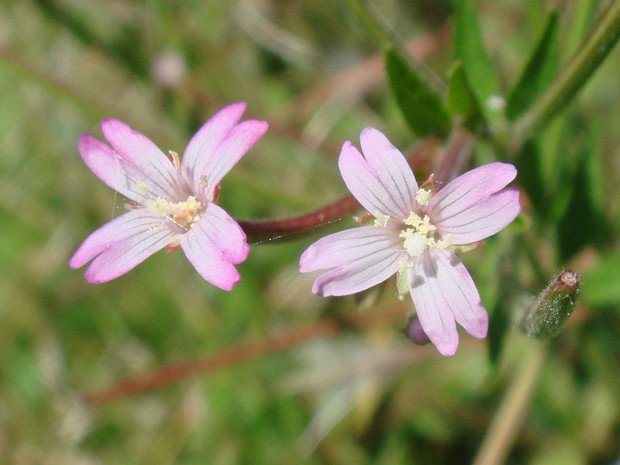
x=206 y=141
x=347 y=246
x=207 y=258
x=368 y=186
x=377 y=265
x=470 y=188
x=390 y=167
x=156 y=171
x=442 y=292
x=225 y=233
x=122 y=244
x=238 y=141
x=483 y=219
x=461 y=292
x=113 y=170
x=121 y=228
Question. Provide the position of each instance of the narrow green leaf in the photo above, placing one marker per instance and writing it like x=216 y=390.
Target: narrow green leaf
x=584 y=221
x=583 y=17
x=600 y=287
x=596 y=46
x=468 y=46
x=539 y=70
x=421 y=105
x=528 y=164
x=462 y=99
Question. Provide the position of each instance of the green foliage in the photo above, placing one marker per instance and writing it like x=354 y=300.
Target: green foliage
x=539 y=71
x=469 y=48
x=584 y=221
x=420 y=104
x=360 y=393
x=600 y=287
x=462 y=100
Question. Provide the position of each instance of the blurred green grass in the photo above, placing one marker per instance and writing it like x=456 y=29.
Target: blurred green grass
x=362 y=396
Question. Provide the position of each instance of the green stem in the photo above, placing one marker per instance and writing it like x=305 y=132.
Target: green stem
x=597 y=45
x=507 y=421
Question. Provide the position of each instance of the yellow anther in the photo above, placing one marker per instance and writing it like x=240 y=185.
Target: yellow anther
x=423 y=196
x=381 y=220
x=185 y=214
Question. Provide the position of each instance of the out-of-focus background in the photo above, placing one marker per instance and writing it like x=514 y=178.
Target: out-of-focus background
x=290 y=377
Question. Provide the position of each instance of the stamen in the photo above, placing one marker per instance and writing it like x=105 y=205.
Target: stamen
x=423 y=196
x=184 y=214
x=421 y=235
x=381 y=220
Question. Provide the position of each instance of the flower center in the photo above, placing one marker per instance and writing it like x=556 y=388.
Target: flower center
x=184 y=214
x=421 y=234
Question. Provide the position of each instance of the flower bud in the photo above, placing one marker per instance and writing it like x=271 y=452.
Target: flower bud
x=415 y=333
x=553 y=306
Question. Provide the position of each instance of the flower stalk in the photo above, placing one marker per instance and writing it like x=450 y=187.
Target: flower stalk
x=509 y=417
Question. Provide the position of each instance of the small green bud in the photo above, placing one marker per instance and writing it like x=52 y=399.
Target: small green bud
x=552 y=307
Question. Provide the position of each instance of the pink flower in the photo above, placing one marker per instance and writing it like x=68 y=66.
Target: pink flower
x=175 y=199
x=415 y=234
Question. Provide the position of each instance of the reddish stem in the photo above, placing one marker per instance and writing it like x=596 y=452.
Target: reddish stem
x=242 y=352
x=263 y=229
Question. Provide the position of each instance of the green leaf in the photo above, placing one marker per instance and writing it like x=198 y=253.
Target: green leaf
x=421 y=105
x=468 y=47
x=600 y=287
x=539 y=71
x=528 y=165
x=462 y=99
x=501 y=317
x=584 y=221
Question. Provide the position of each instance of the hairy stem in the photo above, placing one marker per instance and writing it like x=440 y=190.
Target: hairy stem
x=270 y=229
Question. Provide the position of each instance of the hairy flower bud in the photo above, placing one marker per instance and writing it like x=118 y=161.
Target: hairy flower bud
x=553 y=306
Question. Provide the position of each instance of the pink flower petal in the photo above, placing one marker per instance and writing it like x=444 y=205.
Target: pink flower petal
x=483 y=219
x=225 y=233
x=374 y=267
x=122 y=244
x=347 y=246
x=208 y=138
x=470 y=188
x=112 y=169
x=460 y=290
x=368 y=186
x=207 y=257
x=142 y=159
x=390 y=167
x=442 y=291
x=238 y=141
x=124 y=227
